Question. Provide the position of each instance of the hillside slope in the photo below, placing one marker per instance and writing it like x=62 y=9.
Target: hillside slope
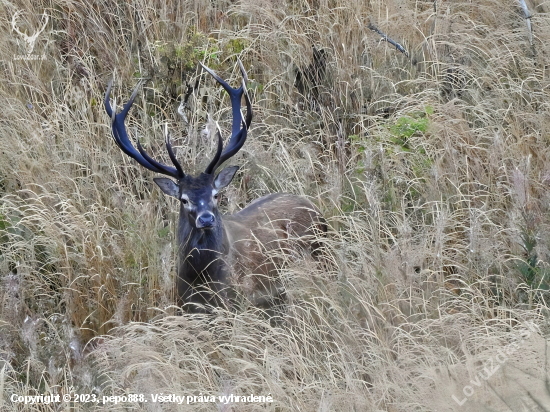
x=429 y=159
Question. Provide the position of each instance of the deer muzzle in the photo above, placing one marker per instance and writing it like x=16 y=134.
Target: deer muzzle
x=205 y=220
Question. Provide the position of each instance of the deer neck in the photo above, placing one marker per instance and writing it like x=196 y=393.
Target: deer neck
x=203 y=245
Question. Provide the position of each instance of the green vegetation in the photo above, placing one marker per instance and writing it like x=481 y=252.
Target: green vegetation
x=533 y=272
x=236 y=46
x=412 y=124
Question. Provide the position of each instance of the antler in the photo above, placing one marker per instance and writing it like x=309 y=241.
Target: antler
x=121 y=138
x=238 y=134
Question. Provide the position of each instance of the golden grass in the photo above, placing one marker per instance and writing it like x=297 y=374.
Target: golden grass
x=433 y=172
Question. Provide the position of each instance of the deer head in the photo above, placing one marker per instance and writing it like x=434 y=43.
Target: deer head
x=198 y=195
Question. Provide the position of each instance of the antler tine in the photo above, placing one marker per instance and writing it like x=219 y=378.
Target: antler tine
x=162 y=168
x=212 y=166
x=246 y=96
x=243 y=71
x=129 y=103
x=171 y=152
x=111 y=112
x=123 y=141
x=238 y=134
x=232 y=149
x=248 y=106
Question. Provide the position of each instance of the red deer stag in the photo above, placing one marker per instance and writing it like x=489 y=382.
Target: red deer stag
x=217 y=254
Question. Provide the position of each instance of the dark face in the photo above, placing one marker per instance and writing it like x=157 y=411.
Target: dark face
x=198 y=195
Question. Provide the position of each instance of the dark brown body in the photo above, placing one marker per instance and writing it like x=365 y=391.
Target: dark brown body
x=270 y=226
x=254 y=241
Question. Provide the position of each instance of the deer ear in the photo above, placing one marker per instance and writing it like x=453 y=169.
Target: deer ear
x=167 y=186
x=225 y=177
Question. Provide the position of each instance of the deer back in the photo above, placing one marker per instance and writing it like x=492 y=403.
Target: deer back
x=263 y=233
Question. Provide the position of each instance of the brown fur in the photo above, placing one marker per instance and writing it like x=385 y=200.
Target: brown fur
x=276 y=222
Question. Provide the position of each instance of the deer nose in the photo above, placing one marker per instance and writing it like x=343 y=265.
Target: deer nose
x=205 y=220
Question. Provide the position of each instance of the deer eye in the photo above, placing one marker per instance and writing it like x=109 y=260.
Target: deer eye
x=216 y=196
x=184 y=201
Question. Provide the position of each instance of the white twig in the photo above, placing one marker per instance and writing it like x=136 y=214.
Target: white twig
x=527 y=19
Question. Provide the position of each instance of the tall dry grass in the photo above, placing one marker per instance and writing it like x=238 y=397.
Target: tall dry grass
x=432 y=171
